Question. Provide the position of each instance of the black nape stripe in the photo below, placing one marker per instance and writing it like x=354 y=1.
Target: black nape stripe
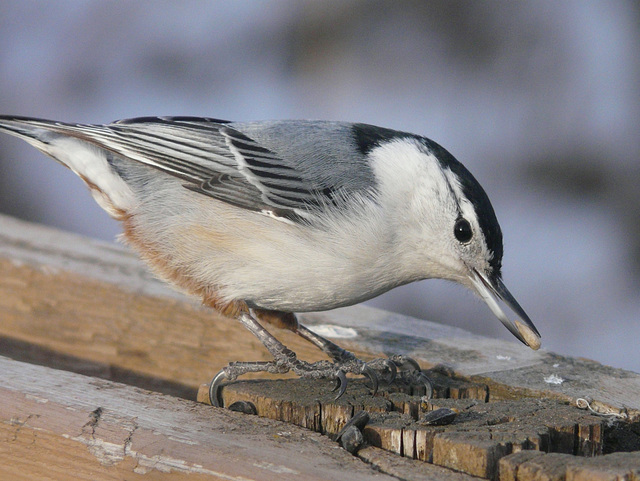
x=368 y=137
x=473 y=191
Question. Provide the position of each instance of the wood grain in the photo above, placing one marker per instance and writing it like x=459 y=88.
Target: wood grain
x=60 y=425
x=71 y=303
x=97 y=304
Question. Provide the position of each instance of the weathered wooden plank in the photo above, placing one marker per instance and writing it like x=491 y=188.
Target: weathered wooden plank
x=92 y=305
x=72 y=303
x=509 y=466
x=481 y=435
x=510 y=370
x=536 y=466
x=409 y=469
x=61 y=425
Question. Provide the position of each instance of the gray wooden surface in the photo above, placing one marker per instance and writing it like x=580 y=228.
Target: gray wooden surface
x=120 y=426
x=504 y=365
x=92 y=307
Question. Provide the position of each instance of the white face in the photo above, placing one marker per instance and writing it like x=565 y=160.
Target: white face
x=466 y=241
x=428 y=206
x=439 y=233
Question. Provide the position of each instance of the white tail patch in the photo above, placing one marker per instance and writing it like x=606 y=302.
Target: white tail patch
x=90 y=163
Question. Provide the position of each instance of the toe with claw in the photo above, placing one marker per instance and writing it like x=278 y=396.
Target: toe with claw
x=214 y=389
x=423 y=379
x=341 y=384
x=415 y=377
x=383 y=366
x=373 y=378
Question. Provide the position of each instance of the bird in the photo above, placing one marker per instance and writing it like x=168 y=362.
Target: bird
x=264 y=219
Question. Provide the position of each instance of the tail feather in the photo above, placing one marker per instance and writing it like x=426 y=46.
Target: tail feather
x=63 y=143
x=27 y=129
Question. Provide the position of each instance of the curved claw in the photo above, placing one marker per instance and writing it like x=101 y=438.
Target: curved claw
x=424 y=379
x=337 y=385
x=392 y=367
x=402 y=362
x=370 y=373
x=214 y=389
x=414 y=364
x=342 y=384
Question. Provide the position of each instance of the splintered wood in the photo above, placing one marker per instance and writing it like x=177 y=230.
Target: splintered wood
x=482 y=434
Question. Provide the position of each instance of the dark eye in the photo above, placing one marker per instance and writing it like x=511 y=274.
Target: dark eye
x=462 y=230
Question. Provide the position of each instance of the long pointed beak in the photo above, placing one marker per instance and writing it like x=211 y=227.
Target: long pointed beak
x=494 y=289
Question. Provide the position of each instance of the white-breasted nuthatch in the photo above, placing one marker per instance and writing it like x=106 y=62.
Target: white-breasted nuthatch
x=264 y=219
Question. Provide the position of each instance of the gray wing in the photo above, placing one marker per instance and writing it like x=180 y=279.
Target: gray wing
x=286 y=168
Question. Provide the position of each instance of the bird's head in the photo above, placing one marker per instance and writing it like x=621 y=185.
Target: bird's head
x=450 y=221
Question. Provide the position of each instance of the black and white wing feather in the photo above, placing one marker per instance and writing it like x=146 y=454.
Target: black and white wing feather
x=215 y=158
x=279 y=184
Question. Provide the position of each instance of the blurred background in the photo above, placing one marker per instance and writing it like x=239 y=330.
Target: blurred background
x=540 y=100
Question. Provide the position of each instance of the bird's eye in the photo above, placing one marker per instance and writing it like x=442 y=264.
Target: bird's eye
x=462 y=230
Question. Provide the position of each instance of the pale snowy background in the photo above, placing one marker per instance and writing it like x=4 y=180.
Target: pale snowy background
x=540 y=100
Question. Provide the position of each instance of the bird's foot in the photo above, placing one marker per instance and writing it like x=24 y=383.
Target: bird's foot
x=410 y=373
x=388 y=370
x=383 y=369
x=306 y=370
x=285 y=360
x=394 y=368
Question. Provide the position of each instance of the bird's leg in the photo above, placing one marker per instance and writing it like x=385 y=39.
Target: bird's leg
x=288 y=320
x=344 y=361
x=409 y=369
x=334 y=351
x=284 y=360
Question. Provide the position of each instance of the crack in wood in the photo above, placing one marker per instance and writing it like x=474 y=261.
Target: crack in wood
x=126 y=446
x=20 y=423
x=94 y=419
